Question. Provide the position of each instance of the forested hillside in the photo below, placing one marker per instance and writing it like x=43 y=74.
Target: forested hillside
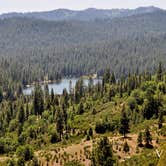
x=112 y=123
x=31 y=49
x=119 y=121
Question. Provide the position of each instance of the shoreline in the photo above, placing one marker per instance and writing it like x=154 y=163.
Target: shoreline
x=94 y=76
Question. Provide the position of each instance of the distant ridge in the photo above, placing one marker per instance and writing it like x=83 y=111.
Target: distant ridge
x=83 y=15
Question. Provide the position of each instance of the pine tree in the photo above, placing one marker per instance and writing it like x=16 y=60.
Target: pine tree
x=79 y=90
x=38 y=102
x=140 y=139
x=8 y=116
x=160 y=72
x=52 y=96
x=90 y=132
x=120 y=89
x=80 y=108
x=111 y=93
x=70 y=87
x=90 y=85
x=126 y=147
x=124 y=123
x=147 y=137
x=160 y=120
x=1 y=95
x=65 y=97
x=21 y=114
x=102 y=154
x=64 y=112
x=47 y=96
x=112 y=78
x=59 y=123
x=106 y=77
x=27 y=111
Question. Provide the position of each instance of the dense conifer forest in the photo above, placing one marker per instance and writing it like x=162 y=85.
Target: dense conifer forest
x=119 y=121
x=31 y=48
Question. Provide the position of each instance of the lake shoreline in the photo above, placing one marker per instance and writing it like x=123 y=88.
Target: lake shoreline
x=94 y=76
x=58 y=86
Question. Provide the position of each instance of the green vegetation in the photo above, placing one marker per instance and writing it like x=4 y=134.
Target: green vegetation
x=102 y=154
x=119 y=121
x=126 y=147
x=126 y=118
x=34 y=50
x=73 y=163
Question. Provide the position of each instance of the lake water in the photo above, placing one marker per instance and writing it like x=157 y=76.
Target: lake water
x=59 y=86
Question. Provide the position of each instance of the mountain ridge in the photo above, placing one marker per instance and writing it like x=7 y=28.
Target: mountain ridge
x=82 y=15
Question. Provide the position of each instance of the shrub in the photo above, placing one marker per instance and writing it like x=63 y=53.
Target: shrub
x=88 y=137
x=2 y=148
x=54 y=137
x=13 y=125
x=126 y=147
x=132 y=103
x=102 y=127
x=25 y=152
x=20 y=162
x=90 y=132
x=10 y=163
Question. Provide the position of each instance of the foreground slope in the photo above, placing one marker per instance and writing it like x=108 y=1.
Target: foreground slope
x=124 y=118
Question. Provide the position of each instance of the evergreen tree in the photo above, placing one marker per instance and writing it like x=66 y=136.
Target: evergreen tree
x=80 y=108
x=54 y=138
x=52 y=96
x=56 y=100
x=59 y=123
x=20 y=162
x=102 y=154
x=112 y=78
x=70 y=87
x=106 y=77
x=147 y=137
x=126 y=147
x=160 y=72
x=8 y=116
x=120 y=89
x=111 y=93
x=90 y=132
x=79 y=90
x=124 y=123
x=151 y=104
x=11 y=162
x=160 y=120
x=64 y=112
x=140 y=139
x=21 y=114
x=65 y=97
x=27 y=111
x=1 y=94
x=47 y=96
x=38 y=102
x=25 y=152
x=90 y=85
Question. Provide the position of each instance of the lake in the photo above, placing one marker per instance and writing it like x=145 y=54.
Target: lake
x=59 y=86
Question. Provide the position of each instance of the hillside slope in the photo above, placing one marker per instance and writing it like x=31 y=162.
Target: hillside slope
x=81 y=47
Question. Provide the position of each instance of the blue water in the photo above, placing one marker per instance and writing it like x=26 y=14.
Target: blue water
x=59 y=86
